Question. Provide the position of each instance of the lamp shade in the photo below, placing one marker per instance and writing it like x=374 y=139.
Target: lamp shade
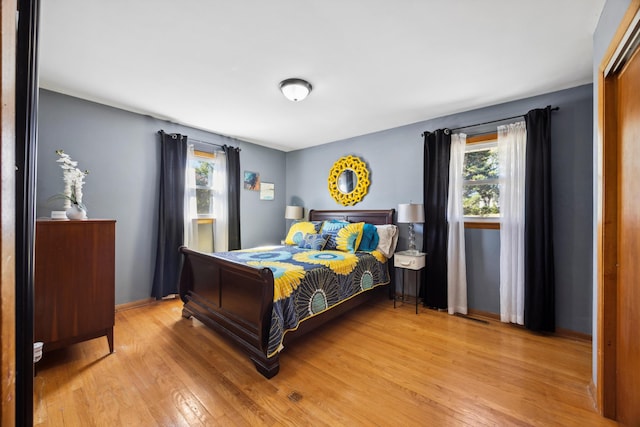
x=295 y=89
x=410 y=213
x=293 y=212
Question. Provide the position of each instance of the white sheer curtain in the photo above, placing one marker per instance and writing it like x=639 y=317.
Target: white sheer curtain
x=456 y=261
x=220 y=201
x=512 y=142
x=190 y=208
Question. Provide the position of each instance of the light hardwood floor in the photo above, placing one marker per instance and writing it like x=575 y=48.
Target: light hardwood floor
x=373 y=366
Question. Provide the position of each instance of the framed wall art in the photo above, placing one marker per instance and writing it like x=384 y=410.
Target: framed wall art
x=251 y=181
x=267 y=191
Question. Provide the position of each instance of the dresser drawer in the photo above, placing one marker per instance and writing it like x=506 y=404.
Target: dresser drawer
x=411 y=262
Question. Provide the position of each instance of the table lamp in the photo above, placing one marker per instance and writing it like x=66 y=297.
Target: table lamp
x=411 y=213
x=293 y=212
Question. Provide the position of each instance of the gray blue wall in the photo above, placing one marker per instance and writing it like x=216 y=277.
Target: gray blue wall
x=394 y=158
x=121 y=151
x=610 y=19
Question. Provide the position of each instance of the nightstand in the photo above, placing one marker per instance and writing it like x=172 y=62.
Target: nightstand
x=407 y=261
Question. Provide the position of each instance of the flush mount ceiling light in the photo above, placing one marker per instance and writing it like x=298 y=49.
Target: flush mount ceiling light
x=295 y=89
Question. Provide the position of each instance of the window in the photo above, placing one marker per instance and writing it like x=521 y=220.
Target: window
x=201 y=200
x=481 y=185
x=203 y=166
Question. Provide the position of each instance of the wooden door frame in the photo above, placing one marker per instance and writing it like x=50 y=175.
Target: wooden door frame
x=7 y=211
x=607 y=215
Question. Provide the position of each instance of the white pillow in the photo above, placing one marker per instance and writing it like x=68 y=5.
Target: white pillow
x=388 y=234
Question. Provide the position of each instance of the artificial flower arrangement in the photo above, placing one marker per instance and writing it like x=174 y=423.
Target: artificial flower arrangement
x=73 y=181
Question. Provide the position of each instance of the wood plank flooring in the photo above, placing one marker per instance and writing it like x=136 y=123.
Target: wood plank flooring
x=372 y=366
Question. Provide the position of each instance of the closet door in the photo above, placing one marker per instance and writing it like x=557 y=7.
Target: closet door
x=628 y=316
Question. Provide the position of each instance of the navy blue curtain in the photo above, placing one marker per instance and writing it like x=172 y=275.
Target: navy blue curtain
x=437 y=151
x=26 y=148
x=539 y=279
x=173 y=165
x=233 y=180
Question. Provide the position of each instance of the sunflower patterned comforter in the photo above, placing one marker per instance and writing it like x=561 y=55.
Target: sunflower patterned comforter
x=308 y=282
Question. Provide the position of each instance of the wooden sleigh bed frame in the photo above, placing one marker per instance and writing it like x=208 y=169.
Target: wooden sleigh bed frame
x=237 y=300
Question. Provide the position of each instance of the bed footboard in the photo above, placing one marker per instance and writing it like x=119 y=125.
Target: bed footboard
x=233 y=299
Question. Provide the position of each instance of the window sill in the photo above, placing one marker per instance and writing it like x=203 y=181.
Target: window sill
x=203 y=220
x=482 y=224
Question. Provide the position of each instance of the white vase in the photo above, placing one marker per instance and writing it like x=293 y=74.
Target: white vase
x=76 y=212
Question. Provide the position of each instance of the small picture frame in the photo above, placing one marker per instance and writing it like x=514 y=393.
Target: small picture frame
x=267 y=191
x=251 y=181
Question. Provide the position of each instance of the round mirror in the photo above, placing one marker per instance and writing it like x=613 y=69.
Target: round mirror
x=347 y=181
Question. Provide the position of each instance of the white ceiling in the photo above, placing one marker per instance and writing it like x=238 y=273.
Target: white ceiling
x=374 y=64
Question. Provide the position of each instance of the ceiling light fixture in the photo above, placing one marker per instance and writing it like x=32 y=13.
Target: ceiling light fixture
x=295 y=89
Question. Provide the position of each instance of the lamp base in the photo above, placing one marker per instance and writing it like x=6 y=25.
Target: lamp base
x=412 y=241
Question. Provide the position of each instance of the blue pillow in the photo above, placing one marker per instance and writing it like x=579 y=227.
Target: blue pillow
x=370 y=238
x=313 y=241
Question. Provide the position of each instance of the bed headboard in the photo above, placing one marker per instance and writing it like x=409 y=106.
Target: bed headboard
x=372 y=216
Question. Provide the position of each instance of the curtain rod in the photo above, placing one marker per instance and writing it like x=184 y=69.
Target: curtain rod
x=212 y=143
x=492 y=121
x=203 y=142
x=499 y=120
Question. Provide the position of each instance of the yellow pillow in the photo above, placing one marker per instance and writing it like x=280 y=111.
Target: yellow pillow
x=298 y=230
x=349 y=236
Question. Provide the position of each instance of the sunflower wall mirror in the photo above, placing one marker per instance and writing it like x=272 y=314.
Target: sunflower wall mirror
x=348 y=180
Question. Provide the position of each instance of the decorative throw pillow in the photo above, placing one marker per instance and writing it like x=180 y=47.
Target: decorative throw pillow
x=313 y=241
x=370 y=238
x=349 y=237
x=388 y=235
x=331 y=228
x=299 y=229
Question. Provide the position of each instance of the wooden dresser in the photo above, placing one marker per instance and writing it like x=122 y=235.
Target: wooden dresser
x=74 y=283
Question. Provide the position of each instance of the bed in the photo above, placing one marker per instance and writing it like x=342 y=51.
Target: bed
x=233 y=292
